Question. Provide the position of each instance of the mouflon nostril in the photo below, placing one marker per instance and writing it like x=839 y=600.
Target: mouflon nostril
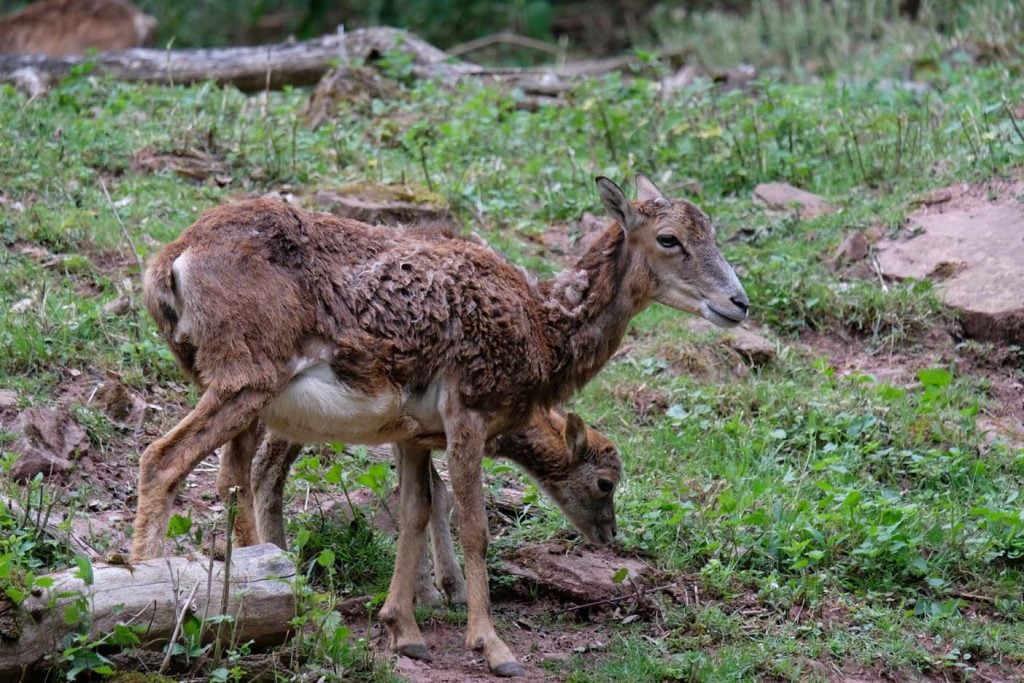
x=741 y=303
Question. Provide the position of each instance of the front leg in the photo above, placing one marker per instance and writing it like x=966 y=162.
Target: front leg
x=467 y=433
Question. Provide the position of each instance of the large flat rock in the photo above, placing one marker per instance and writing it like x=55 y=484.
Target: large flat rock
x=784 y=197
x=969 y=240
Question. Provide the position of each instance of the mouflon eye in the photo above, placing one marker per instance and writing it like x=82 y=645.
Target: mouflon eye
x=606 y=485
x=668 y=241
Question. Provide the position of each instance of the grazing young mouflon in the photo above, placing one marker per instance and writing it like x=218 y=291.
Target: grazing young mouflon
x=327 y=329
x=576 y=466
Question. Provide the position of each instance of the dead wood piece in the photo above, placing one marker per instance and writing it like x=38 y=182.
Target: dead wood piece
x=579 y=575
x=304 y=63
x=503 y=38
x=189 y=163
x=145 y=594
x=249 y=68
x=783 y=197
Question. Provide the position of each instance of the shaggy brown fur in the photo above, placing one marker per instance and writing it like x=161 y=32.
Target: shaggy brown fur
x=281 y=313
x=576 y=466
x=69 y=27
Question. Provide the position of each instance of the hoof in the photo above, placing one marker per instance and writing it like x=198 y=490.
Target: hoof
x=511 y=669
x=415 y=652
x=429 y=597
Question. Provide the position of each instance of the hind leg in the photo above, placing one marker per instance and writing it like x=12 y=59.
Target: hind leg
x=447 y=574
x=235 y=461
x=269 y=473
x=413 y=516
x=447 y=571
x=426 y=592
x=216 y=420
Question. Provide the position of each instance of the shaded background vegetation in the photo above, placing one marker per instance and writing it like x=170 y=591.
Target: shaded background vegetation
x=588 y=27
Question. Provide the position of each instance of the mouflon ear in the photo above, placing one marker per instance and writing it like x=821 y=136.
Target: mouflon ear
x=616 y=204
x=576 y=435
x=647 y=191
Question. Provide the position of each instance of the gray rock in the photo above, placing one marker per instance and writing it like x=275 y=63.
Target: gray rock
x=784 y=197
x=972 y=246
x=8 y=398
x=49 y=439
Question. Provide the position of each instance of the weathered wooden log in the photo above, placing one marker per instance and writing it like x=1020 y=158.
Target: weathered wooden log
x=248 y=68
x=152 y=594
x=296 y=63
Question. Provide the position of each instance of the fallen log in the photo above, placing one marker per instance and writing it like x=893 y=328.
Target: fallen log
x=151 y=595
x=296 y=63
x=247 y=68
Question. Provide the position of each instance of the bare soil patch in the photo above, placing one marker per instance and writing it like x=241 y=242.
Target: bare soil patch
x=1001 y=419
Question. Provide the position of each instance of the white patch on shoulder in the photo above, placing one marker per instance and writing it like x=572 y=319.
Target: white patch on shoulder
x=316 y=407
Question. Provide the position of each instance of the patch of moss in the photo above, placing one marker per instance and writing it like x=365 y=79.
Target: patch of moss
x=139 y=677
x=381 y=192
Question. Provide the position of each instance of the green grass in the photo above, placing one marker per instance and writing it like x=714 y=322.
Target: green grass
x=825 y=520
x=855 y=39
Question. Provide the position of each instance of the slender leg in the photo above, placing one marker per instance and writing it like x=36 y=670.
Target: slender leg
x=216 y=420
x=426 y=592
x=413 y=515
x=466 y=432
x=269 y=474
x=235 y=460
x=446 y=564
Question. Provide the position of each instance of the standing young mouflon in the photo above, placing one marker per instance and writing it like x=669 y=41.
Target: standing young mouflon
x=332 y=330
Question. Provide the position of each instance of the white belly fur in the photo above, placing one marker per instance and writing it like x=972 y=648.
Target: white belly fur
x=316 y=407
